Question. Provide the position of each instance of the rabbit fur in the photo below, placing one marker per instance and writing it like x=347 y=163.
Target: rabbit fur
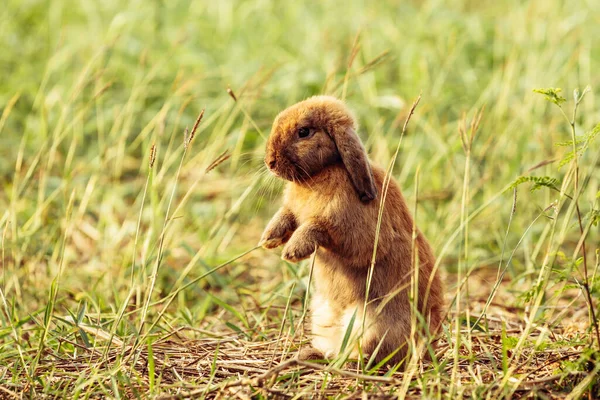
x=331 y=205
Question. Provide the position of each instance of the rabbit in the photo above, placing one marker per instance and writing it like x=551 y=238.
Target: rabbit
x=331 y=205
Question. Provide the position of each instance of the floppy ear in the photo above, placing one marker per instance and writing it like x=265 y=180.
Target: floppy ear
x=355 y=160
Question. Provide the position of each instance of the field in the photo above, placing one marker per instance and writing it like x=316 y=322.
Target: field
x=128 y=246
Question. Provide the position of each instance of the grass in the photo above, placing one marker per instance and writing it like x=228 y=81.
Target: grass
x=124 y=277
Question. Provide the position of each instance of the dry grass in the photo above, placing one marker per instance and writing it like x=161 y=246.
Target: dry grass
x=260 y=362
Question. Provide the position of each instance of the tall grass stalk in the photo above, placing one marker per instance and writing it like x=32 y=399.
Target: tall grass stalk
x=132 y=285
x=385 y=187
x=353 y=53
x=166 y=301
x=467 y=136
x=502 y=271
x=414 y=278
x=577 y=192
x=418 y=328
x=187 y=140
x=54 y=287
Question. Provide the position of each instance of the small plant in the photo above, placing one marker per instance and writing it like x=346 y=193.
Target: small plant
x=572 y=186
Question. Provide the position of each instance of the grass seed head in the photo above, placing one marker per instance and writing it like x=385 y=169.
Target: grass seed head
x=188 y=138
x=220 y=159
x=231 y=94
x=152 y=155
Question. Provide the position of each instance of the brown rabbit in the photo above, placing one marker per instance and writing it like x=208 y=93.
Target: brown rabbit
x=330 y=207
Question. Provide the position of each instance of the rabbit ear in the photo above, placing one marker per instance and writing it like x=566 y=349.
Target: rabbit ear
x=355 y=160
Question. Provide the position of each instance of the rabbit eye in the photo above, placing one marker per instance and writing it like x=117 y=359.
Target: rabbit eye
x=303 y=132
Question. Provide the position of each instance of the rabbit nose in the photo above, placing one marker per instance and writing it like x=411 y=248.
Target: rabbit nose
x=271 y=162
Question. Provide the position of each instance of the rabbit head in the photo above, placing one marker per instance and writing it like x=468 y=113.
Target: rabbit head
x=314 y=134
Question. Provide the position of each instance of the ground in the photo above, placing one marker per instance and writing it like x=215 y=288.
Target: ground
x=128 y=244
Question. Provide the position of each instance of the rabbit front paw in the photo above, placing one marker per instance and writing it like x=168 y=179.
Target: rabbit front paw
x=274 y=236
x=298 y=250
x=271 y=241
x=279 y=230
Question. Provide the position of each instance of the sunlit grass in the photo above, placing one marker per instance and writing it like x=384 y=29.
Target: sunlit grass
x=124 y=279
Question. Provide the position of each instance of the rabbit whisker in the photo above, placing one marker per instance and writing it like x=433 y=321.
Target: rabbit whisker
x=309 y=179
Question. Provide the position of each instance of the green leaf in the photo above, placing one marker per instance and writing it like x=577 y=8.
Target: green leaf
x=472 y=323
x=81 y=313
x=538 y=182
x=552 y=94
x=7 y=331
x=187 y=316
x=84 y=338
x=348 y=332
x=376 y=351
x=566 y=159
x=569 y=143
x=232 y=310
x=385 y=360
x=235 y=328
x=594 y=216
x=595 y=131
x=504 y=348
x=582 y=143
x=151 y=368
